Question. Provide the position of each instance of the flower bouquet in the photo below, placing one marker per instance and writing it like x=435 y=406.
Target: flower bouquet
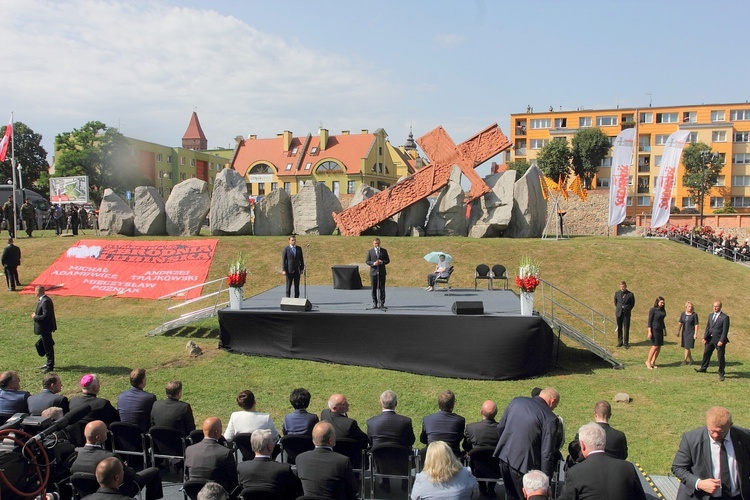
x=237 y=272
x=528 y=275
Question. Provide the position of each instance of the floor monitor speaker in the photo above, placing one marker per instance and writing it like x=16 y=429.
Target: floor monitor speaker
x=302 y=305
x=468 y=307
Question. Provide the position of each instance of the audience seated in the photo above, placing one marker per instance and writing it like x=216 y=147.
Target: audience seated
x=443 y=476
x=50 y=396
x=345 y=427
x=536 y=486
x=248 y=420
x=209 y=460
x=323 y=472
x=101 y=409
x=12 y=398
x=212 y=491
x=444 y=425
x=482 y=434
x=173 y=413
x=134 y=404
x=616 y=445
x=299 y=421
x=110 y=475
x=389 y=427
x=264 y=473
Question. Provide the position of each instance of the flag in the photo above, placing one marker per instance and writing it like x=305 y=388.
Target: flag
x=618 y=180
x=545 y=189
x=6 y=140
x=670 y=160
x=577 y=187
x=551 y=185
x=563 y=191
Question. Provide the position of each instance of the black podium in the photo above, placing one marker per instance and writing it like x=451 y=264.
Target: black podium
x=346 y=277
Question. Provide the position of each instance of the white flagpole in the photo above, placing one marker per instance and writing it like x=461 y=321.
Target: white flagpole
x=13 y=169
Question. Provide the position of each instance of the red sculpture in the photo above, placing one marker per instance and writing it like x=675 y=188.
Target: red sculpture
x=443 y=155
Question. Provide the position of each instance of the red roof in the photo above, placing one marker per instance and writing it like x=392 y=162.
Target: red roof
x=348 y=149
x=194 y=130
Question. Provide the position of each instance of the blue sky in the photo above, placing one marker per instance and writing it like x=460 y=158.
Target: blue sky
x=261 y=67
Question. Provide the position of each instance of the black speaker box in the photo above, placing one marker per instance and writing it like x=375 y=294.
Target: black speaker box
x=468 y=307
x=301 y=305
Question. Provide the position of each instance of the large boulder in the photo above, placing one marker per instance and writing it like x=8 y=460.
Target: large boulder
x=313 y=207
x=187 y=207
x=387 y=227
x=448 y=216
x=150 y=215
x=231 y=213
x=412 y=218
x=273 y=214
x=491 y=214
x=115 y=216
x=529 y=206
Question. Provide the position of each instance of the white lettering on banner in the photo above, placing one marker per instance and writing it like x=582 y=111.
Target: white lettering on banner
x=256 y=178
x=63 y=272
x=618 y=184
x=164 y=278
x=667 y=176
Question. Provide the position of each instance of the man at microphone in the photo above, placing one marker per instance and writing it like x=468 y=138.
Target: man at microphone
x=377 y=259
x=292 y=265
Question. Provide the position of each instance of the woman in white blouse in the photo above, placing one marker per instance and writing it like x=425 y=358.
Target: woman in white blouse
x=247 y=420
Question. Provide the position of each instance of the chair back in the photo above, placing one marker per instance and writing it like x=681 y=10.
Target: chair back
x=350 y=448
x=195 y=436
x=83 y=484
x=391 y=459
x=483 y=465
x=482 y=271
x=192 y=487
x=166 y=442
x=242 y=441
x=294 y=444
x=498 y=271
x=251 y=493
x=127 y=439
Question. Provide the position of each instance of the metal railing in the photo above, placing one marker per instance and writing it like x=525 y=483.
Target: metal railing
x=189 y=310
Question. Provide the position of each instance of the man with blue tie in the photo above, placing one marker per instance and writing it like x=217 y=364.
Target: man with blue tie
x=377 y=259
x=292 y=266
x=715 y=338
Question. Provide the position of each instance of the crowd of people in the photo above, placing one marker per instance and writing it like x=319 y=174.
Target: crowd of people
x=526 y=444
x=720 y=243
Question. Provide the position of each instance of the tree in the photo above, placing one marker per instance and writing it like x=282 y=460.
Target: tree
x=101 y=153
x=520 y=166
x=554 y=159
x=29 y=153
x=702 y=168
x=590 y=146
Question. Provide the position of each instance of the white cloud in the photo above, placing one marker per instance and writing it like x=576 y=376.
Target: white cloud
x=449 y=40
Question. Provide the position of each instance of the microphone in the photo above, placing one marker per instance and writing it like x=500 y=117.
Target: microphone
x=71 y=418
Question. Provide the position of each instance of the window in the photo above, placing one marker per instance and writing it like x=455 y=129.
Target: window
x=723 y=158
x=643 y=184
x=192 y=162
x=288 y=166
x=688 y=202
x=741 y=201
x=261 y=168
x=660 y=139
x=561 y=123
x=261 y=188
x=644 y=143
x=612 y=139
x=717 y=202
x=294 y=150
x=218 y=167
x=602 y=182
x=646 y=117
x=630 y=201
x=741 y=180
x=657 y=161
x=161 y=174
x=742 y=137
x=541 y=123
x=741 y=158
x=350 y=187
x=689 y=117
x=693 y=137
x=737 y=115
x=169 y=159
x=720 y=181
x=538 y=143
x=288 y=187
x=644 y=201
x=717 y=116
x=606 y=121
x=335 y=188
x=329 y=167
x=719 y=136
x=159 y=157
x=182 y=177
x=169 y=175
x=182 y=160
x=314 y=150
x=584 y=122
x=666 y=117
x=274 y=186
x=606 y=162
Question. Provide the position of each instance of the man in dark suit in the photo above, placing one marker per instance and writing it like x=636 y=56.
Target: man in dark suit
x=528 y=432
x=624 y=304
x=262 y=472
x=482 y=434
x=299 y=421
x=50 y=396
x=44 y=324
x=323 y=472
x=536 y=486
x=616 y=445
x=93 y=452
x=10 y=260
x=134 y=405
x=444 y=425
x=377 y=259
x=345 y=427
x=716 y=337
x=171 y=412
x=110 y=474
x=699 y=462
x=12 y=398
x=292 y=265
x=101 y=409
x=599 y=475
x=210 y=460
x=389 y=427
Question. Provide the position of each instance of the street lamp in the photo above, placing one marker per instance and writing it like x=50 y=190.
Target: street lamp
x=165 y=175
x=706 y=158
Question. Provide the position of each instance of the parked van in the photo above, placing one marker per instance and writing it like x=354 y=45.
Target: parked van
x=39 y=202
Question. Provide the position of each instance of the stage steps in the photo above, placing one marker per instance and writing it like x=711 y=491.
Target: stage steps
x=576 y=320
x=189 y=311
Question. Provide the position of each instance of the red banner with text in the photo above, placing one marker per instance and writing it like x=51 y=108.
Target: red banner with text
x=133 y=269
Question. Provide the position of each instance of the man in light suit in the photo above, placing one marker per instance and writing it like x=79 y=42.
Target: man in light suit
x=698 y=462
x=292 y=266
x=599 y=475
x=263 y=472
x=210 y=460
x=377 y=259
x=624 y=304
x=715 y=337
x=323 y=472
x=44 y=324
x=528 y=432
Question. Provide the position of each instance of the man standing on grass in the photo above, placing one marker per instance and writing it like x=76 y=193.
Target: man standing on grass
x=624 y=304
x=44 y=324
x=11 y=259
x=715 y=338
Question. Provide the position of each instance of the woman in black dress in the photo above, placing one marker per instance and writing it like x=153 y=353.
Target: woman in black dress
x=656 y=331
x=688 y=331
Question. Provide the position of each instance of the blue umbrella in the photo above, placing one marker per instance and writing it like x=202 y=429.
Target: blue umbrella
x=434 y=257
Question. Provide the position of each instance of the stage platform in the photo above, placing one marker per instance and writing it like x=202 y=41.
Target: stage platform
x=418 y=333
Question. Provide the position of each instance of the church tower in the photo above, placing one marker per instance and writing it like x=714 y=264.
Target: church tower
x=194 y=137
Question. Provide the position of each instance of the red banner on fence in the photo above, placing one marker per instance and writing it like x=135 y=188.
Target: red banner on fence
x=134 y=269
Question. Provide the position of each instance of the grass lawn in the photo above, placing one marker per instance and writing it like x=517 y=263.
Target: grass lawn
x=106 y=336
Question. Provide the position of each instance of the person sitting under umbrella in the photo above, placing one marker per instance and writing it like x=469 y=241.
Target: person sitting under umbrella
x=441 y=271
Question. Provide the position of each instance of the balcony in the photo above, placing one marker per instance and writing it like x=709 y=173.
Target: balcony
x=520 y=129
x=644 y=149
x=520 y=151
